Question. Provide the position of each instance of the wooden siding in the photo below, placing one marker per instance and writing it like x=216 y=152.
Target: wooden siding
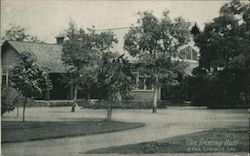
x=145 y=95
x=9 y=58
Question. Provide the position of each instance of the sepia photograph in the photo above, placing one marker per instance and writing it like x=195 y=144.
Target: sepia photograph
x=125 y=77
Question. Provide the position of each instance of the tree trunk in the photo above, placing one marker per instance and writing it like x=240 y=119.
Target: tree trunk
x=17 y=105
x=17 y=110
x=109 y=113
x=88 y=96
x=156 y=89
x=71 y=96
x=155 y=100
x=116 y=98
x=74 y=99
x=119 y=97
x=24 y=106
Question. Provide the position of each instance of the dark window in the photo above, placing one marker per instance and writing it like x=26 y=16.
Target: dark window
x=145 y=83
x=182 y=54
x=3 y=80
x=188 y=53
x=148 y=84
x=141 y=83
x=60 y=88
x=194 y=53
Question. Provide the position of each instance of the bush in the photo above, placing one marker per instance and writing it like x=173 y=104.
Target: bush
x=126 y=104
x=37 y=103
x=58 y=103
x=10 y=99
x=103 y=104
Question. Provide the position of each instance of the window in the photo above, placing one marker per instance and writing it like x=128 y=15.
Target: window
x=188 y=53
x=182 y=55
x=194 y=54
x=148 y=84
x=141 y=83
x=3 y=80
x=144 y=82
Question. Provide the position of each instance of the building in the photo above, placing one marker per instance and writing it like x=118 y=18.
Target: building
x=190 y=54
x=49 y=56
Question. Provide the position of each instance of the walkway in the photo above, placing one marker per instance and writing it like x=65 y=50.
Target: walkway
x=166 y=123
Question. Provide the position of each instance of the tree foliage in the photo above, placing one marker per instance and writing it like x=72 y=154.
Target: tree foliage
x=17 y=33
x=155 y=42
x=81 y=51
x=93 y=63
x=225 y=55
x=10 y=98
x=28 y=78
x=82 y=48
x=114 y=74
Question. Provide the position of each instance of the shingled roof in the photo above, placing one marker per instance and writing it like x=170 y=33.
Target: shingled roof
x=48 y=55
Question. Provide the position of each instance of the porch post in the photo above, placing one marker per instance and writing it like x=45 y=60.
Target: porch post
x=47 y=96
x=159 y=94
x=71 y=92
x=7 y=77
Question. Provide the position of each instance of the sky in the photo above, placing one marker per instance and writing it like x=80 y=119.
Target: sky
x=46 y=19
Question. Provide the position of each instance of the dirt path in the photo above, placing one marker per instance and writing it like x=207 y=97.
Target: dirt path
x=166 y=123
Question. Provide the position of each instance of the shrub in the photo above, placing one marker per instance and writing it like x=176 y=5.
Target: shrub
x=10 y=99
x=126 y=104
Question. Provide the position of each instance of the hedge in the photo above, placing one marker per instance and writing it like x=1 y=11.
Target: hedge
x=102 y=104
x=131 y=104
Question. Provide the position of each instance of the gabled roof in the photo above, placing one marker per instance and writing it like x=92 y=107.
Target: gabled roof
x=48 y=55
x=194 y=28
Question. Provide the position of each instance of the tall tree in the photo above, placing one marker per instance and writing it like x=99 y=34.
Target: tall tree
x=114 y=74
x=81 y=52
x=225 y=53
x=155 y=42
x=17 y=33
x=29 y=79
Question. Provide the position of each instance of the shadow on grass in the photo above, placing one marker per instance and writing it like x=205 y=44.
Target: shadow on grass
x=215 y=140
x=17 y=131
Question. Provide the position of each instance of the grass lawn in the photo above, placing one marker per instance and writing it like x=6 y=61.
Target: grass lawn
x=18 y=131
x=215 y=140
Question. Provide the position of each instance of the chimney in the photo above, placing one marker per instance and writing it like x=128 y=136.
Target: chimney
x=60 y=39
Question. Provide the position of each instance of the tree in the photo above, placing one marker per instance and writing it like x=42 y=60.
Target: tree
x=225 y=55
x=81 y=52
x=17 y=33
x=114 y=74
x=155 y=42
x=28 y=78
x=10 y=98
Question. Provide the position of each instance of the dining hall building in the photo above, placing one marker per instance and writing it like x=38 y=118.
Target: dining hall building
x=49 y=56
